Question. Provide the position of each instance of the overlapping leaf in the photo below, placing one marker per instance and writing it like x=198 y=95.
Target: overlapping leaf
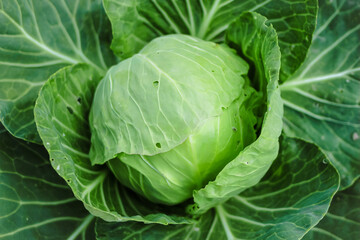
x=61 y=115
x=290 y=200
x=322 y=100
x=342 y=221
x=36 y=39
x=153 y=101
x=257 y=42
x=135 y=23
x=34 y=201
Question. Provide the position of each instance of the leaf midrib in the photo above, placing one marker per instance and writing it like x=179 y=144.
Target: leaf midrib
x=323 y=78
x=61 y=56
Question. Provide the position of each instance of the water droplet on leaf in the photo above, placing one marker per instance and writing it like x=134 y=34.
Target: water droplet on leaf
x=355 y=136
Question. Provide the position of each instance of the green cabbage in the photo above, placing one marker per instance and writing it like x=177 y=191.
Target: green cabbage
x=173 y=118
x=180 y=121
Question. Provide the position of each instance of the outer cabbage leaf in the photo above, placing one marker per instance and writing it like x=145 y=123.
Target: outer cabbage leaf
x=36 y=39
x=342 y=221
x=33 y=200
x=292 y=198
x=257 y=42
x=135 y=23
x=158 y=97
x=61 y=114
x=322 y=100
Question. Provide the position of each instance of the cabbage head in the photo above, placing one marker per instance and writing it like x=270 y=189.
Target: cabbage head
x=169 y=118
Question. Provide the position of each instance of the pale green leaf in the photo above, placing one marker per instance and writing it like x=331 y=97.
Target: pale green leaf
x=158 y=97
x=257 y=42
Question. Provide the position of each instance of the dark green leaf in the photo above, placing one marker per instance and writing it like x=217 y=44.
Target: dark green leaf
x=342 y=221
x=322 y=100
x=135 y=23
x=134 y=230
x=34 y=200
x=36 y=39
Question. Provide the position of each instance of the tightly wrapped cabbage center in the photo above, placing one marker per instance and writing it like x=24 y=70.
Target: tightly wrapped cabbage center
x=168 y=119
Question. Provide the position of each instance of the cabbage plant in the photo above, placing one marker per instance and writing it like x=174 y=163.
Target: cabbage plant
x=206 y=119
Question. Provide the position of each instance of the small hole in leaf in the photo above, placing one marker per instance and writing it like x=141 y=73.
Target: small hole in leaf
x=68 y=180
x=212 y=70
x=52 y=159
x=71 y=111
x=156 y=83
x=157 y=52
x=158 y=145
x=79 y=100
x=234 y=129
